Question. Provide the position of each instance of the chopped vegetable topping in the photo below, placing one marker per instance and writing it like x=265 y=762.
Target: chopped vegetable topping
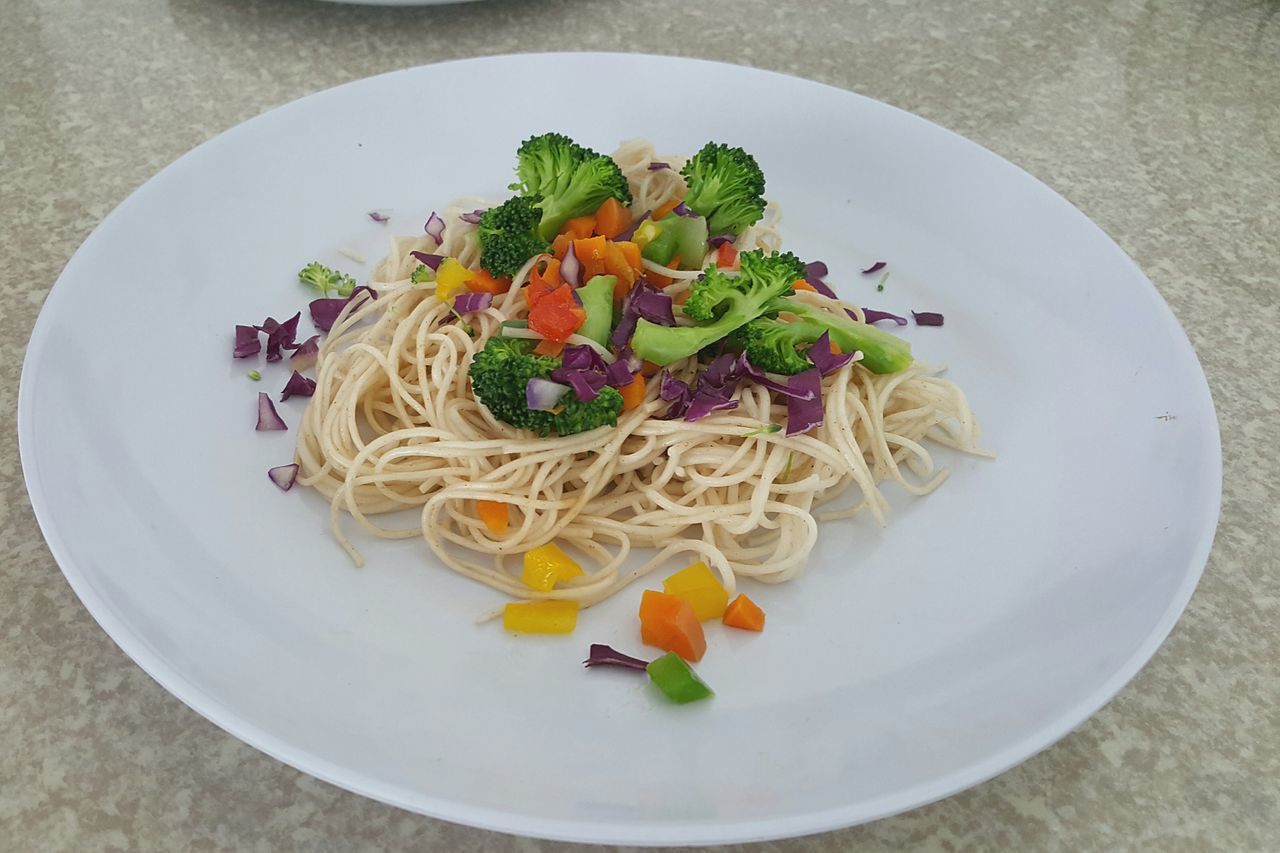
x=268 y=418
x=874 y=268
x=670 y=624
x=247 y=342
x=540 y=617
x=255 y=375
x=323 y=279
x=677 y=680
x=699 y=586
x=548 y=565
x=874 y=316
x=435 y=228
x=283 y=476
x=744 y=613
x=602 y=655
x=927 y=318
x=298 y=386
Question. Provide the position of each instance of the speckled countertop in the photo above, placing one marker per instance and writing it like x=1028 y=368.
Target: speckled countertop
x=1161 y=120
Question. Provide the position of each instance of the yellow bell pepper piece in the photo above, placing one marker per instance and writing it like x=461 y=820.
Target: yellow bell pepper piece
x=547 y=565
x=700 y=587
x=540 y=617
x=646 y=232
x=451 y=277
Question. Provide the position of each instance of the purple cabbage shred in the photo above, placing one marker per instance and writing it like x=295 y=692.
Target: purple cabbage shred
x=283 y=476
x=377 y=216
x=431 y=261
x=874 y=316
x=804 y=410
x=298 y=386
x=876 y=267
x=824 y=358
x=268 y=418
x=247 y=342
x=927 y=318
x=469 y=303
x=602 y=655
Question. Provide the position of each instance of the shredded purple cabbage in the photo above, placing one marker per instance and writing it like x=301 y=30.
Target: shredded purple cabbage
x=758 y=376
x=247 y=342
x=824 y=358
x=720 y=239
x=585 y=383
x=431 y=261
x=602 y=655
x=469 y=303
x=280 y=336
x=378 y=216
x=283 y=476
x=814 y=273
x=268 y=418
x=645 y=301
x=619 y=374
x=473 y=217
x=658 y=165
x=324 y=312
x=804 y=410
x=676 y=392
x=435 y=227
x=876 y=267
x=927 y=318
x=305 y=355
x=298 y=386
x=581 y=357
x=683 y=209
x=541 y=395
x=874 y=316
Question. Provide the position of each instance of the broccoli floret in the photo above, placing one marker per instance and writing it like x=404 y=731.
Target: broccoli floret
x=719 y=304
x=771 y=345
x=323 y=279
x=501 y=371
x=881 y=351
x=726 y=186
x=421 y=273
x=571 y=180
x=577 y=416
x=509 y=235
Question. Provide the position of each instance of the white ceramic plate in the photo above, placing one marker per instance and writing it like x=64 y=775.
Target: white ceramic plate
x=907 y=664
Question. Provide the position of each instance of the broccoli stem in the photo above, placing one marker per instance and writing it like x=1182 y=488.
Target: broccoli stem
x=881 y=351
x=597 y=301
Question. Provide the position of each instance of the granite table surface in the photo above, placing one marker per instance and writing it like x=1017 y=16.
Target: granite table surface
x=1160 y=120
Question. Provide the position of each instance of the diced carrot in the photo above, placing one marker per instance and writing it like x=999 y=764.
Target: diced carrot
x=580 y=227
x=495 y=516
x=612 y=218
x=670 y=624
x=648 y=369
x=616 y=264
x=557 y=315
x=546 y=270
x=801 y=284
x=727 y=257
x=551 y=348
x=590 y=253
x=482 y=282
x=744 y=613
x=633 y=394
x=660 y=280
x=631 y=252
x=536 y=290
x=560 y=245
x=666 y=208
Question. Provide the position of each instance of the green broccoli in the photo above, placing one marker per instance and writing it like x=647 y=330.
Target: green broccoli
x=323 y=279
x=726 y=186
x=881 y=351
x=771 y=345
x=719 y=304
x=500 y=373
x=509 y=235
x=570 y=179
x=422 y=273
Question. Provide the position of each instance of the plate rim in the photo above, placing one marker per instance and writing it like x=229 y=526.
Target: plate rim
x=596 y=831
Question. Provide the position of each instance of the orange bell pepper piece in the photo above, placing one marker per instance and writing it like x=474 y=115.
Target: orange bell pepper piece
x=612 y=218
x=670 y=624
x=744 y=613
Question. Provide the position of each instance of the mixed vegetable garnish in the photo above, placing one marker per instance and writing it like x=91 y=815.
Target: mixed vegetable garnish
x=605 y=332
